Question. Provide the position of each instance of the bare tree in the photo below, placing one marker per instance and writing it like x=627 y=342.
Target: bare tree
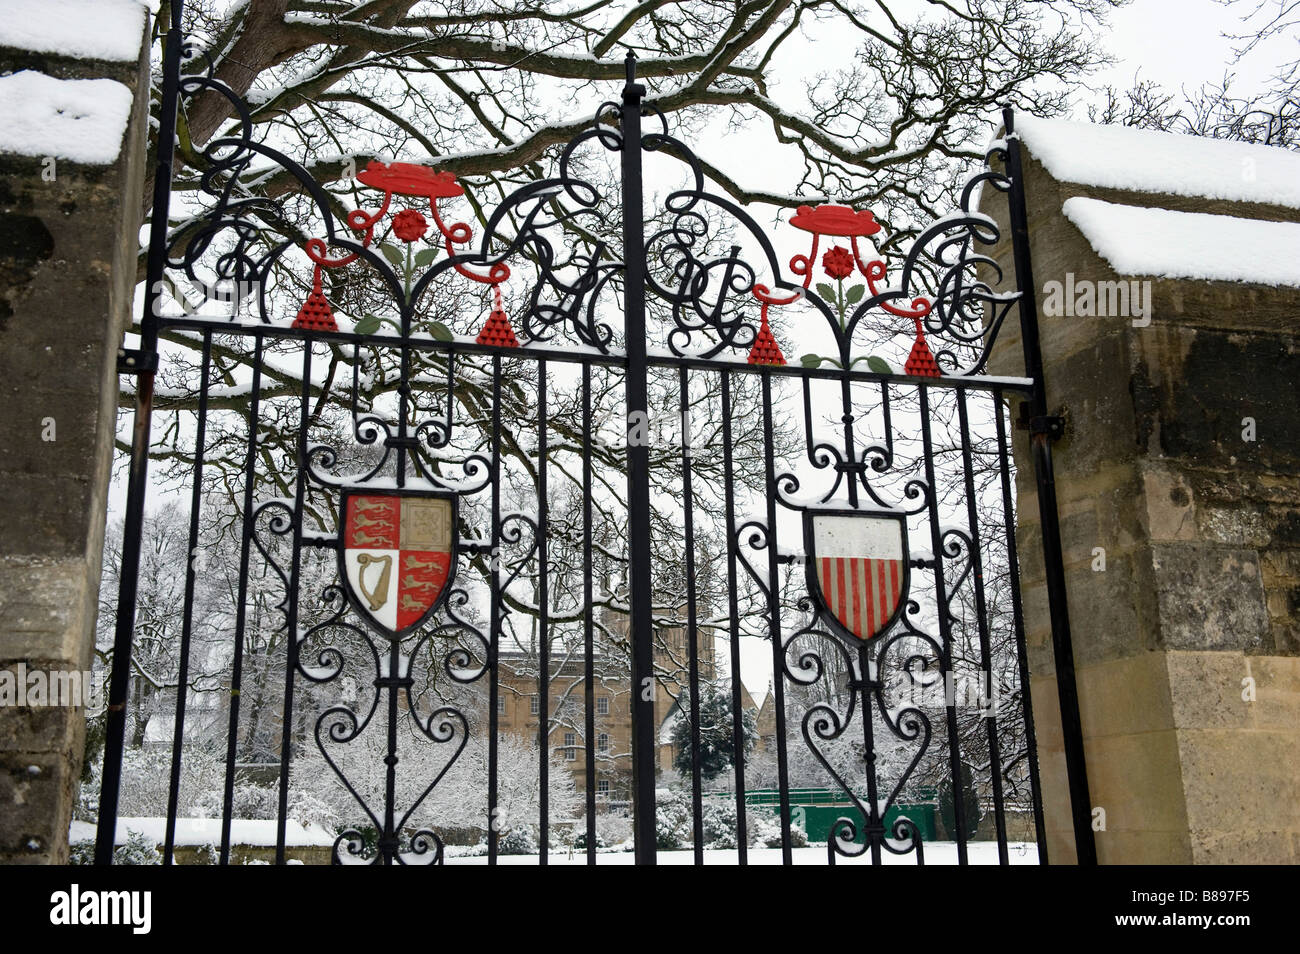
x=1218 y=109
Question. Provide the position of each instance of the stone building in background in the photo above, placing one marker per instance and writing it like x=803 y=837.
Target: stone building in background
x=519 y=702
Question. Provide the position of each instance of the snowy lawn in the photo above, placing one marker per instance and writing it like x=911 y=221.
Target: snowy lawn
x=207 y=831
x=244 y=832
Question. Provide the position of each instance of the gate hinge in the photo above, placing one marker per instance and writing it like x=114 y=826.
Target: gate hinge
x=134 y=361
x=1053 y=425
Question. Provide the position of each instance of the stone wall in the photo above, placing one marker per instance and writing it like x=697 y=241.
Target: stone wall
x=68 y=244
x=1187 y=637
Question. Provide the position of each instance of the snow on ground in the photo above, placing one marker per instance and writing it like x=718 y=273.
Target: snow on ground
x=936 y=853
x=1144 y=160
x=261 y=833
x=86 y=29
x=1167 y=244
x=77 y=119
x=207 y=831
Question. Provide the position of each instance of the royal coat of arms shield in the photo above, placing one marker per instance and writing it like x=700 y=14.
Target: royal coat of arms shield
x=857 y=569
x=398 y=555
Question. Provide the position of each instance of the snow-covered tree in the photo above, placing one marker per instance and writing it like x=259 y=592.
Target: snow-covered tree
x=716 y=730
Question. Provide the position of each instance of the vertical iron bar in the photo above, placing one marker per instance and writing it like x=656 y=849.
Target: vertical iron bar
x=291 y=609
x=638 y=477
x=774 y=623
x=241 y=602
x=138 y=478
x=588 y=595
x=1054 y=565
x=187 y=617
x=986 y=654
x=945 y=629
x=850 y=454
x=389 y=838
x=873 y=822
x=1013 y=571
x=589 y=738
x=543 y=628
x=494 y=643
x=874 y=832
x=692 y=634
x=733 y=614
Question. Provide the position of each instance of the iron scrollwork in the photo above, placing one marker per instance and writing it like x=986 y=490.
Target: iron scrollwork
x=709 y=292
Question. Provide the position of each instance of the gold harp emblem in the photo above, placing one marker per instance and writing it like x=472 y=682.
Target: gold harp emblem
x=376 y=595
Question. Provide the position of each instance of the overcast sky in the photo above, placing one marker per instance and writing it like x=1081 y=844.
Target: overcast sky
x=1180 y=43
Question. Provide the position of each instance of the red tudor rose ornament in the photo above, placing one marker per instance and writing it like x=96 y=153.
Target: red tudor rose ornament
x=409 y=225
x=838 y=263
x=845 y=222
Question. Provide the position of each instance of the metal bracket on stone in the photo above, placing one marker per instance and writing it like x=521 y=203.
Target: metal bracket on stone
x=1053 y=425
x=134 y=361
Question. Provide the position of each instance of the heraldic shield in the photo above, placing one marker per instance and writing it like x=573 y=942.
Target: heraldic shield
x=398 y=556
x=857 y=569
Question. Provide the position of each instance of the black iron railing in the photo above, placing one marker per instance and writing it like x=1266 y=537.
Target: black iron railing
x=854 y=514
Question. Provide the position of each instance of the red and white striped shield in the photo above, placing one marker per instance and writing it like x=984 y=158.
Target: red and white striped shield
x=857 y=569
x=398 y=554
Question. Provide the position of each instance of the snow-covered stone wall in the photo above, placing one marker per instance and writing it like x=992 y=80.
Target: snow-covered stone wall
x=74 y=80
x=1167 y=279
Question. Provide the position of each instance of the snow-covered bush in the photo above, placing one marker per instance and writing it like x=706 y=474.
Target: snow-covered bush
x=613 y=829
x=672 y=819
x=138 y=850
x=764 y=829
x=458 y=801
x=718 y=822
x=251 y=800
x=517 y=841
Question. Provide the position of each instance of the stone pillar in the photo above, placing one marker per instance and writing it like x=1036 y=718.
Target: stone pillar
x=1181 y=539
x=69 y=234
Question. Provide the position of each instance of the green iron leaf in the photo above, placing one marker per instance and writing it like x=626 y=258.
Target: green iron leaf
x=367 y=325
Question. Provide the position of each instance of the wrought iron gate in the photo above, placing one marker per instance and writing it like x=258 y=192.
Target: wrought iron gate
x=423 y=534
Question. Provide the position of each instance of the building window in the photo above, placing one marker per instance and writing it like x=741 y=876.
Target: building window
x=602 y=705
x=501 y=705
x=534 y=704
x=570 y=747
x=602 y=788
x=602 y=743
